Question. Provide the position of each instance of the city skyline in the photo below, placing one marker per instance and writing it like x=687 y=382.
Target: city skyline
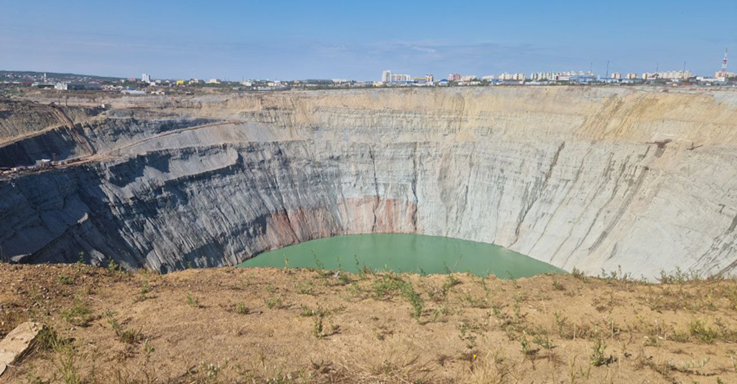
x=293 y=40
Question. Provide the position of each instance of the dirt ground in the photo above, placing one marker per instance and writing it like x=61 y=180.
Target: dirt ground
x=280 y=326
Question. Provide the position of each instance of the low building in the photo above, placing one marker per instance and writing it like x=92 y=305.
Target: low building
x=77 y=86
x=401 y=78
x=724 y=75
x=667 y=75
x=454 y=77
x=512 y=76
x=583 y=78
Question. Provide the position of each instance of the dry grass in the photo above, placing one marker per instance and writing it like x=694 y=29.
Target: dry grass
x=271 y=325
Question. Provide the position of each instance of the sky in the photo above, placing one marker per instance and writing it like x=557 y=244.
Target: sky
x=358 y=39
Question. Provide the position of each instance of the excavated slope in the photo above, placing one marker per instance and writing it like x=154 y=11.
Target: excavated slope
x=577 y=177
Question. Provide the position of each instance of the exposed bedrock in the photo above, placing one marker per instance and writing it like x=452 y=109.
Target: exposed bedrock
x=578 y=177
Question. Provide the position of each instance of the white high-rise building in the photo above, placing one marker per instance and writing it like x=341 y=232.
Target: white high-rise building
x=146 y=78
x=386 y=76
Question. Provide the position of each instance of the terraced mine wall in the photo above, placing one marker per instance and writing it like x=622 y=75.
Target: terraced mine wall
x=593 y=178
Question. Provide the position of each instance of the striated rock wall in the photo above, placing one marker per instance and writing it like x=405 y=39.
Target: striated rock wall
x=578 y=177
x=19 y=118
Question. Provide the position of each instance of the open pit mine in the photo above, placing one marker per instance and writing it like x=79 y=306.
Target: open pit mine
x=642 y=179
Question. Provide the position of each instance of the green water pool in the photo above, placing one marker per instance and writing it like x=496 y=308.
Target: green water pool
x=403 y=253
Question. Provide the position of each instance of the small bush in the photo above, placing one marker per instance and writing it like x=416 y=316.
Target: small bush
x=578 y=274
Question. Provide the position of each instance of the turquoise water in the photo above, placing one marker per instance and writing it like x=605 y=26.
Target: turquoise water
x=403 y=253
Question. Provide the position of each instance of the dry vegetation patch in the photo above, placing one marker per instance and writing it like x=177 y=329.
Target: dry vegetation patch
x=275 y=325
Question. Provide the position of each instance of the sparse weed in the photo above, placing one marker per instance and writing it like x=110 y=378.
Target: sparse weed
x=66 y=363
x=598 y=355
x=414 y=298
x=112 y=267
x=386 y=285
x=112 y=320
x=47 y=338
x=578 y=274
x=274 y=302
x=79 y=314
x=305 y=288
x=558 y=286
x=526 y=349
x=241 y=308
x=145 y=287
x=193 y=301
x=450 y=282
x=703 y=332
x=317 y=327
x=544 y=341
x=270 y=288
x=131 y=336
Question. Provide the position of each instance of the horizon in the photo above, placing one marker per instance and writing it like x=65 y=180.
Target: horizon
x=293 y=40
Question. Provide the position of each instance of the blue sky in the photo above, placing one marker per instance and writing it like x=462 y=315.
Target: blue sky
x=357 y=39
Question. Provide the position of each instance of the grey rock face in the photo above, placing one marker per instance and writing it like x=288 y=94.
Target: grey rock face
x=577 y=177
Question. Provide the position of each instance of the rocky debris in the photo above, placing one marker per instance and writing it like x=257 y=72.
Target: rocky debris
x=16 y=343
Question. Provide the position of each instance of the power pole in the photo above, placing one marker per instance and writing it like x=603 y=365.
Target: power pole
x=607 y=69
x=683 y=74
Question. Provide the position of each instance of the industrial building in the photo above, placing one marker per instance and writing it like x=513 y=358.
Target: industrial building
x=77 y=87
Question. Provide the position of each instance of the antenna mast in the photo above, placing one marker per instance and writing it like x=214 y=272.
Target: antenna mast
x=724 y=63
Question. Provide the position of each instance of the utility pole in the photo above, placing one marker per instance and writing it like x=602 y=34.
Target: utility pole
x=683 y=73
x=607 y=69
